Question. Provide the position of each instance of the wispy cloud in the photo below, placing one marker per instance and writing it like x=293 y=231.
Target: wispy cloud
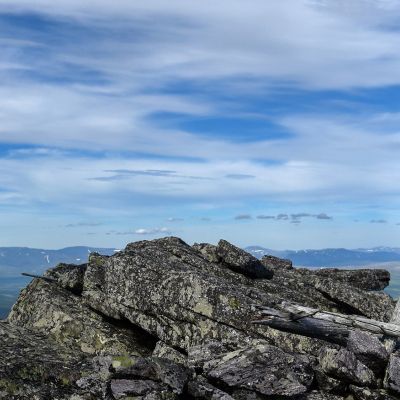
x=242 y=217
x=152 y=231
x=83 y=224
x=103 y=113
x=265 y=217
x=239 y=176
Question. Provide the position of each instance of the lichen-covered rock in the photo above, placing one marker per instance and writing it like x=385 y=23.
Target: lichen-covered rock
x=272 y=262
x=200 y=388
x=343 y=365
x=362 y=393
x=329 y=384
x=208 y=251
x=263 y=369
x=366 y=279
x=392 y=377
x=368 y=349
x=31 y=366
x=240 y=261
x=172 y=375
x=53 y=310
x=162 y=350
x=68 y=276
x=317 y=395
x=334 y=295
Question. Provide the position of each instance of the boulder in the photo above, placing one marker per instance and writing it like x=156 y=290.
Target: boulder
x=242 y=262
x=368 y=349
x=263 y=369
x=392 y=377
x=365 y=279
x=162 y=350
x=343 y=365
x=32 y=366
x=362 y=393
x=200 y=388
x=48 y=308
x=272 y=263
x=68 y=276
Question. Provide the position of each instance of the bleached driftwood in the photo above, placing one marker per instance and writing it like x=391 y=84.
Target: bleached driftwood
x=326 y=325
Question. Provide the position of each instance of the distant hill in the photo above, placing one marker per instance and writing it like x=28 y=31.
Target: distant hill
x=14 y=260
x=332 y=257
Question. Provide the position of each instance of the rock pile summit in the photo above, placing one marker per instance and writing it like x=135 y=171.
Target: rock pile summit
x=165 y=320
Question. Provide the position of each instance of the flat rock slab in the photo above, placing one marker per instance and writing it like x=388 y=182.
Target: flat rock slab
x=262 y=368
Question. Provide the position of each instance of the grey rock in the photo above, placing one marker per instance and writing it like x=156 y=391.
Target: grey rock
x=272 y=262
x=343 y=365
x=121 y=388
x=200 y=388
x=32 y=366
x=368 y=349
x=68 y=276
x=263 y=369
x=172 y=375
x=365 y=279
x=162 y=350
x=200 y=354
x=240 y=261
x=328 y=384
x=53 y=310
x=392 y=377
x=362 y=393
x=208 y=251
x=318 y=395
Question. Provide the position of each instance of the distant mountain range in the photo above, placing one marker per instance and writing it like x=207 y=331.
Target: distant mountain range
x=333 y=257
x=14 y=260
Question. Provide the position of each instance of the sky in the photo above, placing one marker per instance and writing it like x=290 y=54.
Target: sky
x=272 y=123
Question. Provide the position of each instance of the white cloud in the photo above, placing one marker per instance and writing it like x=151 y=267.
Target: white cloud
x=152 y=231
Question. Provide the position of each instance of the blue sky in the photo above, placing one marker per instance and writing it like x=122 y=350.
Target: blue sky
x=262 y=122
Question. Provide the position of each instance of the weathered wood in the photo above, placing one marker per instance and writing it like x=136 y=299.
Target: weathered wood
x=327 y=325
x=45 y=278
x=391 y=343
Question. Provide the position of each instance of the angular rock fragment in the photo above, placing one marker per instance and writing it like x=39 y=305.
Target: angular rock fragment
x=240 y=261
x=276 y=263
x=343 y=365
x=328 y=384
x=51 y=309
x=392 y=377
x=31 y=366
x=365 y=279
x=208 y=251
x=263 y=369
x=162 y=350
x=68 y=276
x=122 y=388
x=317 y=395
x=172 y=375
x=362 y=393
x=368 y=349
x=200 y=388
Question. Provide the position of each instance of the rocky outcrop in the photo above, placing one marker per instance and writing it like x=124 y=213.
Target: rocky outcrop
x=165 y=320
